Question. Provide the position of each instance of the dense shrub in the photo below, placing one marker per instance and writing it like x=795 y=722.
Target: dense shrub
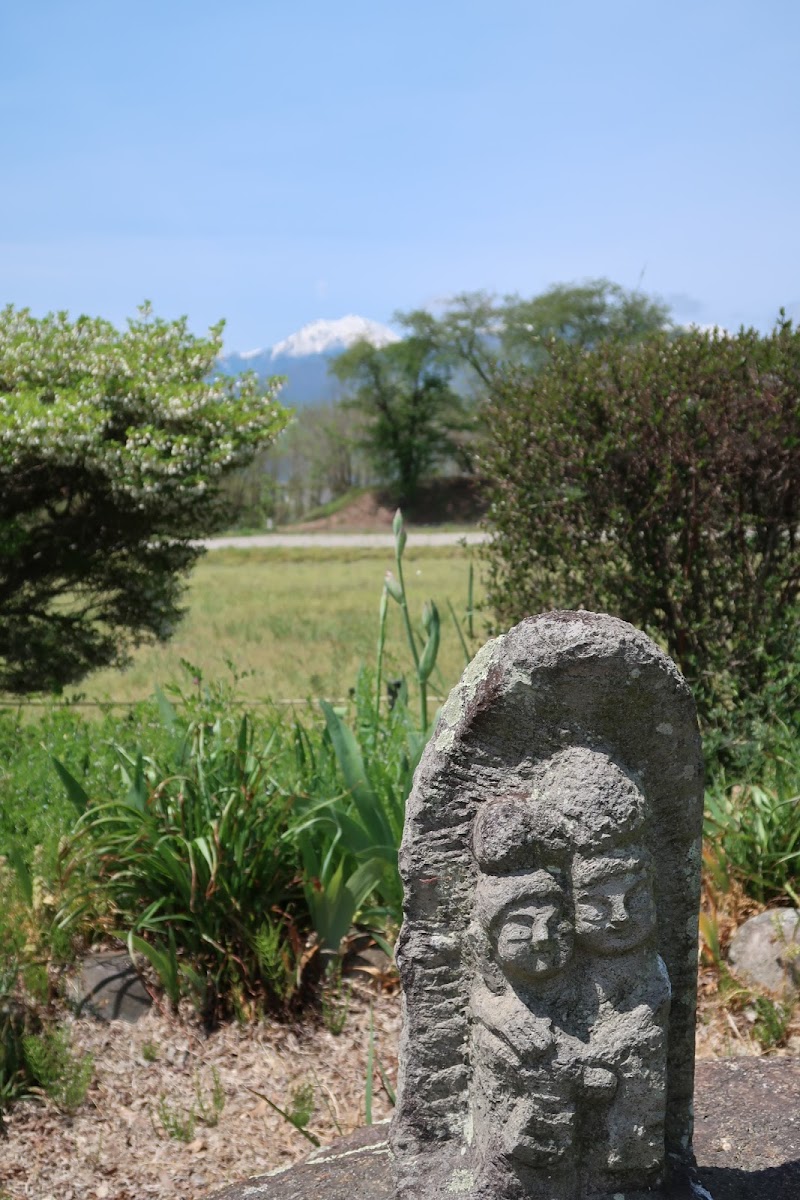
x=113 y=449
x=661 y=483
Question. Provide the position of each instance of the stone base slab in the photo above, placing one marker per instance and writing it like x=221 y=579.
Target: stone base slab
x=747 y=1143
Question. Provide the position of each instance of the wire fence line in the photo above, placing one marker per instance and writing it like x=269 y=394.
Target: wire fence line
x=239 y=701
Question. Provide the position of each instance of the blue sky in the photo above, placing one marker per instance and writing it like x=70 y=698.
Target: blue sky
x=273 y=163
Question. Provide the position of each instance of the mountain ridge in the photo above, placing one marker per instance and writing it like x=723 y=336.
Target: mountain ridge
x=304 y=357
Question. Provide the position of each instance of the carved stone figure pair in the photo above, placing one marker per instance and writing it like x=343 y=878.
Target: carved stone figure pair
x=570 y=997
x=548 y=954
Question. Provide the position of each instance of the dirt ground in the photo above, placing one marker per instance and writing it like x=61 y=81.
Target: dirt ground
x=456 y=501
x=150 y=1076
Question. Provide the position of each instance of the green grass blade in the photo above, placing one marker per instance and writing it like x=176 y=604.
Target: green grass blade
x=76 y=793
x=287 y=1117
x=387 y=1084
x=352 y=766
x=460 y=633
x=22 y=872
x=348 y=755
x=164 y=963
x=166 y=709
x=370 y=1071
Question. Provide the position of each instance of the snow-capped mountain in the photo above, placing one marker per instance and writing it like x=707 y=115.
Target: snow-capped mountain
x=331 y=337
x=303 y=357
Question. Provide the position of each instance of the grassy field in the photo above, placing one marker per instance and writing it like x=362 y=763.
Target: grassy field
x=298 y=621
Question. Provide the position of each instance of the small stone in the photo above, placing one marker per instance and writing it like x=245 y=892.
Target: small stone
x=765 y=951
x=109 y=988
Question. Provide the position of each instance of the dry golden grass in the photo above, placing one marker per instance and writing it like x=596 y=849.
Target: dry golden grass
x=299 y=621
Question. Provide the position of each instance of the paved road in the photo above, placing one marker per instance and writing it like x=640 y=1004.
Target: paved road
x=340 y=541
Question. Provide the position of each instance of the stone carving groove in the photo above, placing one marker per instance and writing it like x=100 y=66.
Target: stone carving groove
x=548 y=955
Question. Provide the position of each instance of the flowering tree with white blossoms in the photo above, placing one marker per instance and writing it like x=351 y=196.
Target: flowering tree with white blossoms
x=112 y=448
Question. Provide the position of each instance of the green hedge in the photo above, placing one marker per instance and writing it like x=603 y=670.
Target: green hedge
x=661 y=483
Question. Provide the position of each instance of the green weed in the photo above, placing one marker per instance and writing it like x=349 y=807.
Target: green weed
x=298 y=1111
x=177 y=1123
x=181 y=1123
x=755 y=825
x=191 y=855
x=209 y=1107
x=335 y=998
x=56 y=1069
x=374 y=1061
x=772 y=1022
x=301 y=1105
x=276 y=959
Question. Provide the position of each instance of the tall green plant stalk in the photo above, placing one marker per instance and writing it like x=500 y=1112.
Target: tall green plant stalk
x=423 y=663
x=397 y=588
x=382 y=615
x=471 y=601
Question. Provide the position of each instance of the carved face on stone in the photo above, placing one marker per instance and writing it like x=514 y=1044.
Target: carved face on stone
x=614 y=906
x=528 y=924
x=522 y=900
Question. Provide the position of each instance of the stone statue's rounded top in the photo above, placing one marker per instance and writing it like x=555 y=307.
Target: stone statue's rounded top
x=600 y=803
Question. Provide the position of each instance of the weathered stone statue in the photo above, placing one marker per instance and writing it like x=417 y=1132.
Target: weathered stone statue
x=551 y=859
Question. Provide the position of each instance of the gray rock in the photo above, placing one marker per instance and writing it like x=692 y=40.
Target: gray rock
x=109 y=987
x=353 y=1168
x=747 y=1140
x=551 y=862
x=765 y=951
